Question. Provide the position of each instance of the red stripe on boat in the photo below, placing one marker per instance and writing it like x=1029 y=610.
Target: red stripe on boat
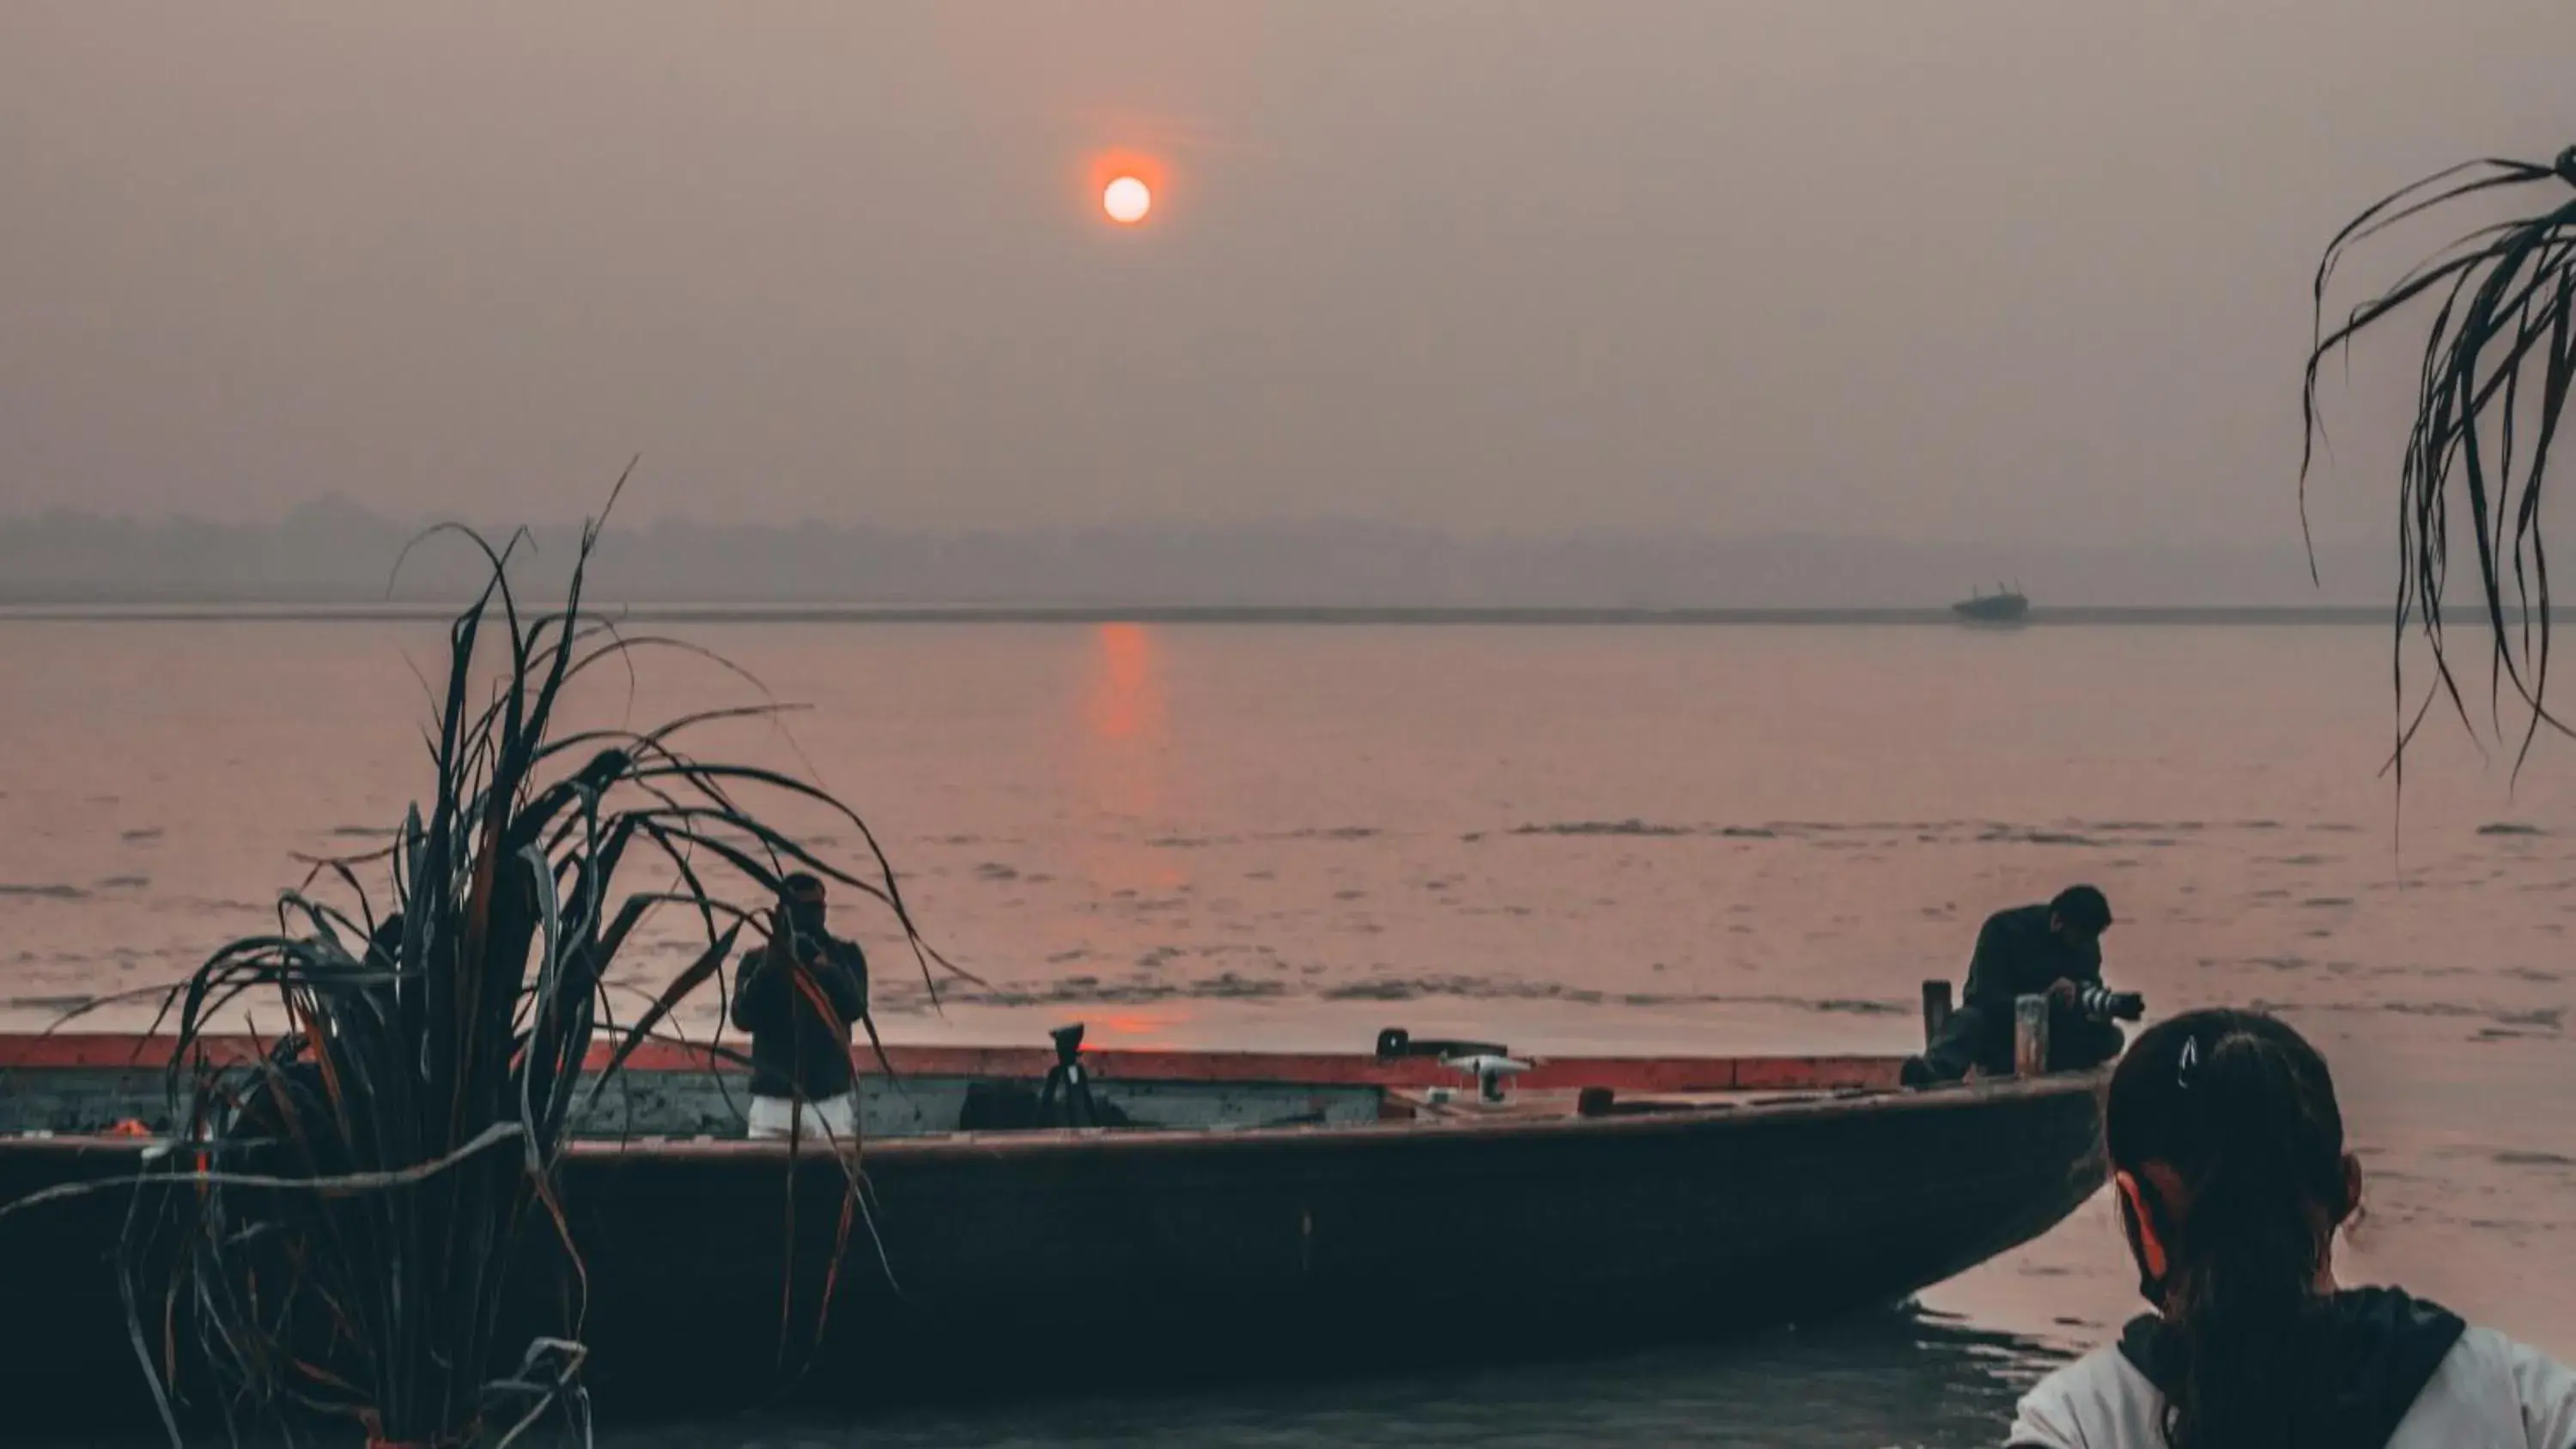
x=1630 y=1074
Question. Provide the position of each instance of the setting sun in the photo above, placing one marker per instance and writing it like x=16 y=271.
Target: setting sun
x=1127 y=199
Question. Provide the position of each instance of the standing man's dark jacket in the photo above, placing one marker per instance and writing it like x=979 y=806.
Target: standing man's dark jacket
x=2018 y=955
x=800 y=1047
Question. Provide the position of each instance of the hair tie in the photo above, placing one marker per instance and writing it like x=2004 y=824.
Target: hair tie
x=2185 y=1060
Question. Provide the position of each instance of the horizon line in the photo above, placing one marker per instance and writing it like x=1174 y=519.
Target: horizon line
x=352 y=611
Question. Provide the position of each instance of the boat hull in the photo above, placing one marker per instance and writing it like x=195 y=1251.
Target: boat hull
x=1032 y=1258
x=1309 y=1247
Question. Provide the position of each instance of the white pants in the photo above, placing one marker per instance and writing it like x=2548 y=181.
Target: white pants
x=832 y=1119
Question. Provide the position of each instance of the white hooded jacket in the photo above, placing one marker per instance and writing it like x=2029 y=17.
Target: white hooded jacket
x=2412 y=1377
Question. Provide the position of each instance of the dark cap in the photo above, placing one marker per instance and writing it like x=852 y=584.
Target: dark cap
x=802 y=888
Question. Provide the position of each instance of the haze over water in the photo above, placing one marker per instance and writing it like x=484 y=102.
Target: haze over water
x=1576 y=839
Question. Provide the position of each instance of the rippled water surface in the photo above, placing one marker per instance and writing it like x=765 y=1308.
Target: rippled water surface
x=1695 y=839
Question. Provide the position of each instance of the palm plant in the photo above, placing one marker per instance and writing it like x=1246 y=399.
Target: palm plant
x=2497 y=367
x=338 y=1233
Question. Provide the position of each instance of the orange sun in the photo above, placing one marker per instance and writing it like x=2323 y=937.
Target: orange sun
x=1126 y=199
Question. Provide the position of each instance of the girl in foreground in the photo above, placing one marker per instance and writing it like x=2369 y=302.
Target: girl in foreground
x=2227 y=1156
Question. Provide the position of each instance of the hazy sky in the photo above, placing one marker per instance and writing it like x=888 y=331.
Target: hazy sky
x=1943 y=268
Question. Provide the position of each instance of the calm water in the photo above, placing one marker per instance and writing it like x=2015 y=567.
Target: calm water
x=1703 y=839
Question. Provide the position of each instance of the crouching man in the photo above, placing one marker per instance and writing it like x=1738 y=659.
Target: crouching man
x=2052 y=950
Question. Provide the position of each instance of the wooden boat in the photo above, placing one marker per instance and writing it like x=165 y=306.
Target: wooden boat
x=1261 y=1212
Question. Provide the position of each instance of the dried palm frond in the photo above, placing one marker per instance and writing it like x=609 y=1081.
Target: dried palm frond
x=2497 y=367
x=336 y=1230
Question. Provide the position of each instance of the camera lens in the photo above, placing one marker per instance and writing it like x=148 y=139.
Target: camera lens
x=2103 y=1004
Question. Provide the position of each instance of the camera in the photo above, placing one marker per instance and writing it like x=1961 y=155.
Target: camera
x=2101 y=1003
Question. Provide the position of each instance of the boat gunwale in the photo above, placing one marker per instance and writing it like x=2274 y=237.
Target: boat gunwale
x=1663 y=1072
x=1090 y=1141
x=1384 y=1132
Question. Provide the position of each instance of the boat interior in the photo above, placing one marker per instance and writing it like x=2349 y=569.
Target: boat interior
x=91 y=1085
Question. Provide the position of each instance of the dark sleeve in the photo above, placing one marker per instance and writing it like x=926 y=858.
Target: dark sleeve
x=1992 y=974
x=847 y=981
x=756 y=992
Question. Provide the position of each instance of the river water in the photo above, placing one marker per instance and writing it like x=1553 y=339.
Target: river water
x=1611 y=838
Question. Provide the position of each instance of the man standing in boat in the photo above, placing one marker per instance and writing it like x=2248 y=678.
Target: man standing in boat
x=799 y=996
x=2052 y=950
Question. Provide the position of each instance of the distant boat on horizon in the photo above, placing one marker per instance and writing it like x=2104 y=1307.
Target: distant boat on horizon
x=2004 y=606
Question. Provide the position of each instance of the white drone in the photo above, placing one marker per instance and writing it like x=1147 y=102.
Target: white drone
x=1488 y=1069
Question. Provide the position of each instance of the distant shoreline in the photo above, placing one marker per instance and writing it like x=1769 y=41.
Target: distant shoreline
x=1179 y=614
